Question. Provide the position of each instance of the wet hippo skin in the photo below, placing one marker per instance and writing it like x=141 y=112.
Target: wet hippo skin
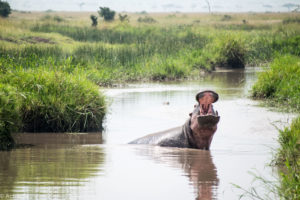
x=197 y=132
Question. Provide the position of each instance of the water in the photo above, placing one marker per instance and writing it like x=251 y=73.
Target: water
x=95 y=166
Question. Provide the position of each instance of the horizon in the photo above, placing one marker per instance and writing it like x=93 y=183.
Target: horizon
x=156 y=6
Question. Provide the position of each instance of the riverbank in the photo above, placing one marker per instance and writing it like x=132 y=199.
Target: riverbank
x=48 y=101
x=279 y=86
x=51 y=62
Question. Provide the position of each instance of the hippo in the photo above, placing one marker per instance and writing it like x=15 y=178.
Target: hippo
x=198 y=130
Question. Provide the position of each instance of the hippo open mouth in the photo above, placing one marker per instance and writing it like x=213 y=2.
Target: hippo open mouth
x=207 y=120
x=206 y=115
x=197 y=132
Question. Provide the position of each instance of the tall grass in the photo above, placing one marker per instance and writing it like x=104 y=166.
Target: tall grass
x=226 y=51
x=9 y=115
x=288 y=45
x=52 y=62
x=125 y=35
x=56 y=102
x=280 y=85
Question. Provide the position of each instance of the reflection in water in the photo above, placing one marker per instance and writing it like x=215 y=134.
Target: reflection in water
x=196 y=164
x=71 y=171
x=58 y=138
x=48 y=171
x=141 y=111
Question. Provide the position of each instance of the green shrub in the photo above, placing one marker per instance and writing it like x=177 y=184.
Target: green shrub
x=225 y=52
x=259 y=49
x=289 y=156
x=94 y=20
x=9 y=115
x=106 y=13
x=289 y=45
x=46 y=17
x=123 y=18
x=226 y=18
x=55 y=18
x=291 y=20
x=57 y=102
x=289 y=140
x=146 y=19
x=281 y=82
x=169 y=69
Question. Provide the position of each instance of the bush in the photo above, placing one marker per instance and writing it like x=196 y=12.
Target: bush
x=106 y=13
x=226 y=18
x=57 y=102
x=291 y=20
x=94 y=20
x=9 y=115
x=5 y=9
x=123 y=18
x=281 y=82
x=225 y=52
x=289 y=156
x=58 y=18
x=146 y=19
x=290 y=45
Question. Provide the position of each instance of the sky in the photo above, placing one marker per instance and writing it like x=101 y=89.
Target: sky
x=155 y=5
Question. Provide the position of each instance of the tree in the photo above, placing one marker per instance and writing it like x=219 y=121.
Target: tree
x=290 y=5
x=94 y=20
x=208 y=5
x=123 y=18
x=5 y=9
x=106 y=13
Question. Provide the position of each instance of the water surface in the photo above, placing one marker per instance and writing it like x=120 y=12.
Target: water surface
x=95 y=166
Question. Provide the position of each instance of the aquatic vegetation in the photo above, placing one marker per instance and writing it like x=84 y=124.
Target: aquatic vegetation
x=289 y=141
x=288 y=45
x=57 y=102
x=225 y=52
x=38 y=57
x=9 y=115
x=280 y=85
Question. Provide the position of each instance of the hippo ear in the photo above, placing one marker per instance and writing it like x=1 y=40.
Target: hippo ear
x=205 y=93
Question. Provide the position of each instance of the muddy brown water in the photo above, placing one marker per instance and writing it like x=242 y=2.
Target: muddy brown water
x=95 y=166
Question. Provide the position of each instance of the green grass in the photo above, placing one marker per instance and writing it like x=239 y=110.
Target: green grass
x=288 y=157
x=280 y=85
x=53 y=101
x=291 y=20
x=9 y=115
x=53 y=62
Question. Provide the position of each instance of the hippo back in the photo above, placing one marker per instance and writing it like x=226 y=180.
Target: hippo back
x=172 y=138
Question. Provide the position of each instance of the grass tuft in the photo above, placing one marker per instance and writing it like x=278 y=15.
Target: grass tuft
x=53 y=101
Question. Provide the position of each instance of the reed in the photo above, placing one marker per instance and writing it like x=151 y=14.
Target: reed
x=280 y=86
x=57 y=102
x=9 y=115
x=36 y=46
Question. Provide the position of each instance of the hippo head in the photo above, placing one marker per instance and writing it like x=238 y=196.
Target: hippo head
x=204 y=119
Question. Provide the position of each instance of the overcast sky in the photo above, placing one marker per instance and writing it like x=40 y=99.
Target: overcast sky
x=155 y=5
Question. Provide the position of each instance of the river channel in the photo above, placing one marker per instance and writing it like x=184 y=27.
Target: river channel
x=103 y=166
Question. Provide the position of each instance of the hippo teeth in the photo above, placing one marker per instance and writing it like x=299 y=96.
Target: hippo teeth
x=208 y=114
